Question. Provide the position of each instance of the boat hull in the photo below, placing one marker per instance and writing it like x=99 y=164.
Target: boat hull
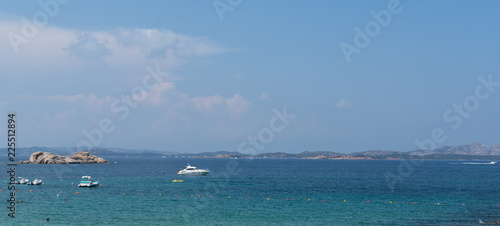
x=88 y=185
x=192 y=173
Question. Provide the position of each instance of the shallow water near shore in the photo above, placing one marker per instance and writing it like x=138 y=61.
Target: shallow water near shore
x=138 y=191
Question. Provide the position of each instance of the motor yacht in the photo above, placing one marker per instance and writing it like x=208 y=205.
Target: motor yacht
x=87 y=181
x=191 y=170
x=35 y=182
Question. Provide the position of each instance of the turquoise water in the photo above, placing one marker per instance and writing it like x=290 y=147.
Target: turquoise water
x=138 y=191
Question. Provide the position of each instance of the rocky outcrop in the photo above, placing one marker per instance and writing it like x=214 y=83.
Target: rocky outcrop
x=76 y=158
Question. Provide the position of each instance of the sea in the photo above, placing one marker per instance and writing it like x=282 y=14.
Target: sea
x=140 y=191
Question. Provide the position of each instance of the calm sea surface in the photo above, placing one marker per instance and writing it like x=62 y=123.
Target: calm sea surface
x=139 y=191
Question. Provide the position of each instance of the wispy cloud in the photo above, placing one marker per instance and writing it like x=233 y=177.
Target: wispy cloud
x=343 y=103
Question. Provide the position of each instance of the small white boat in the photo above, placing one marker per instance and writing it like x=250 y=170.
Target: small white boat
x=191 y=170
x=87 y=181
x=35 y=182
x=495 y=162
x=23 y=181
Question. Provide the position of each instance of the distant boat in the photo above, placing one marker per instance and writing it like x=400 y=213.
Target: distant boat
x=21 y=181
x=35 y=182
x=493 y=162
x=177 y=180
x=191 y=170
x=87 y=181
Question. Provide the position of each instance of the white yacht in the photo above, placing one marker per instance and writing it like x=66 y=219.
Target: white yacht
x=87 y=181
x=35 y=182
x=23 y=181
x=191 y=170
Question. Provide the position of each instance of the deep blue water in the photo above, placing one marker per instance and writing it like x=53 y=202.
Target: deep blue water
x=138 y=191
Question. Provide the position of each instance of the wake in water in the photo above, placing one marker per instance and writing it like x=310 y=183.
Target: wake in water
x=480 y=163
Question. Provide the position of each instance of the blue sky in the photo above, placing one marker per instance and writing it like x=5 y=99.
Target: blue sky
x=226 y=71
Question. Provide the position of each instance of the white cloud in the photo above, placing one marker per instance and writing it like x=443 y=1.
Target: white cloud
x=162 y=96
x=56 y=48
x=343 y=103
x=237 y=105
x=208 y=104
x=88 y=47
x=155 y=96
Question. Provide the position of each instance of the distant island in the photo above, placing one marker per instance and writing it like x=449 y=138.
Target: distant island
x=474 y=151
x=81 y=157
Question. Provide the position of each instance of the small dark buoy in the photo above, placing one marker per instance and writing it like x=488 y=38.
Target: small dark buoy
x=47 y=219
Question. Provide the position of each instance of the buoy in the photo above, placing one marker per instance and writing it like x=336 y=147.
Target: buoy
x=438 y=203
x=344 y=200
x=160 y=194
x=61 y=191
x=57 y=195
x=200 y=196
x=323 y=200
x=248 y=197
x=191 y=195
x=268 y=198
x=210 y=196
x=308 y=199
x=123 y=193
x=415 y=203
x=100 y=185
x=463 y=204
x=229 y=197
x=2 y=189
x=94 y=189
x=141 y=193
x=390 y=202
x=76 y=192
x=31 y=190
x=65 y=200
x=287 y=199
x=367 y=200
x=177 y=195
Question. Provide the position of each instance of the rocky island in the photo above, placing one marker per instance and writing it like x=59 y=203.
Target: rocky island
x=81 y=157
